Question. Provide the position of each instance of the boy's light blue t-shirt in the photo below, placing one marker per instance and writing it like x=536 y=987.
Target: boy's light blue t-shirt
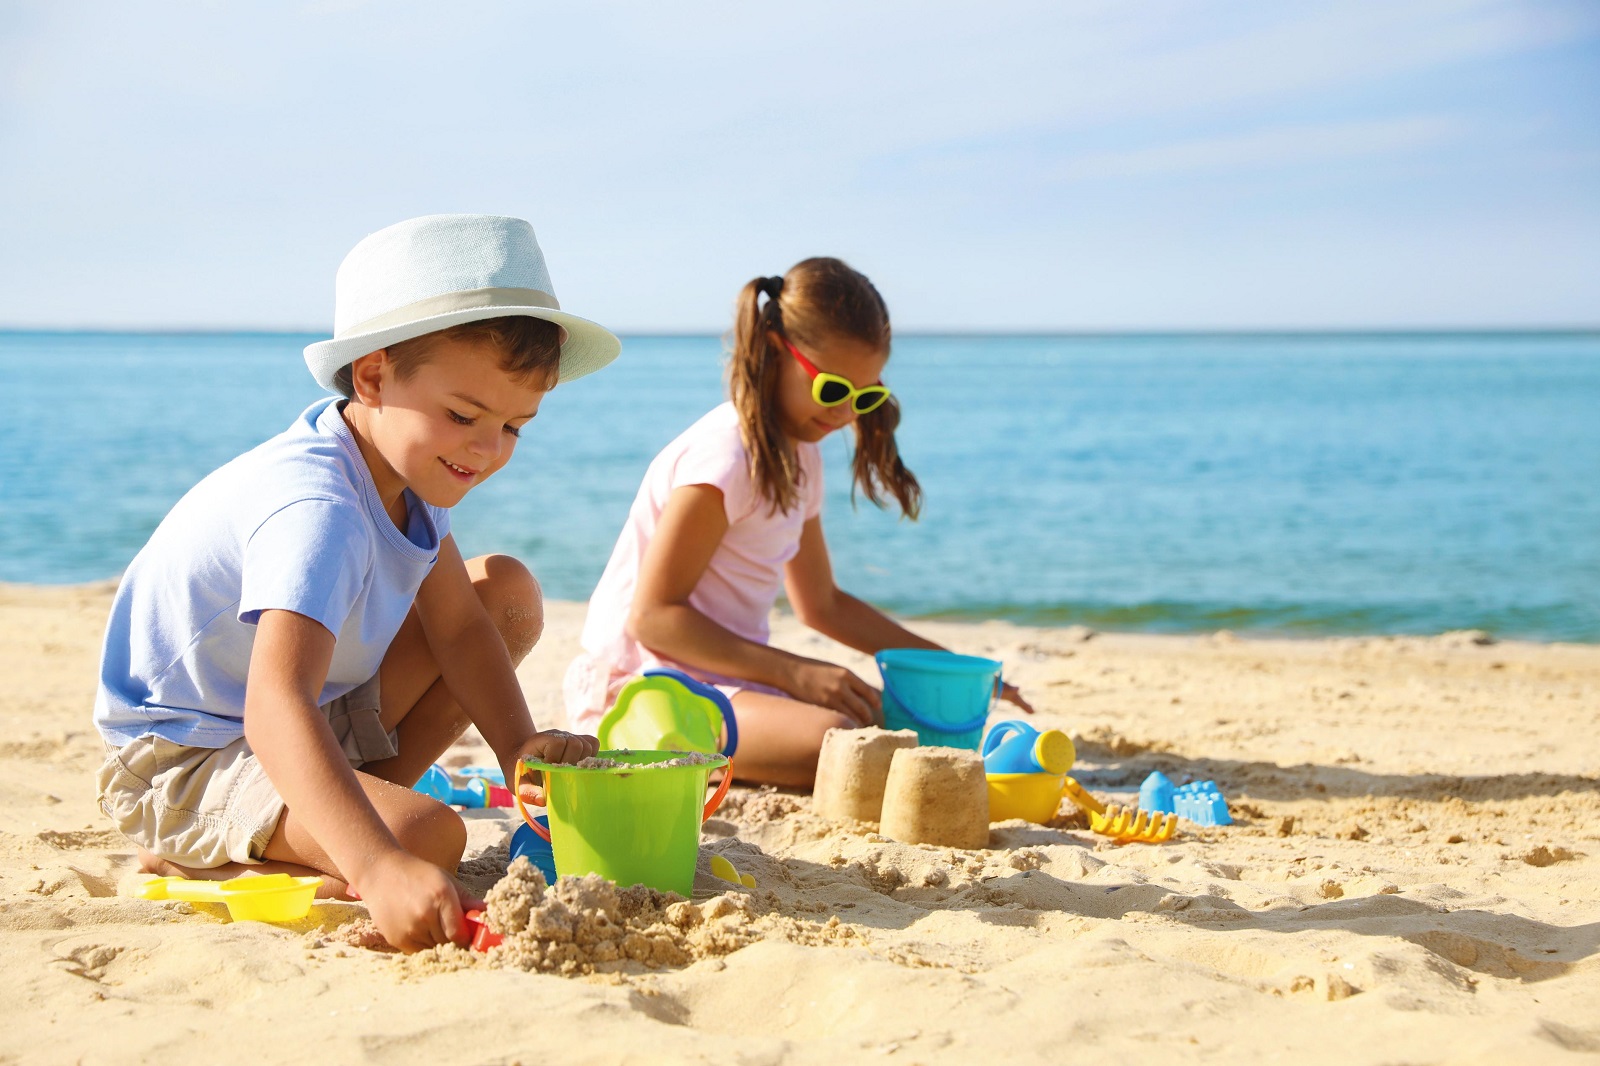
x=295 y=525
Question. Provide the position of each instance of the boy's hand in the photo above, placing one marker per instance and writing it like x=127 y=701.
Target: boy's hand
x=415 y=904
x=552 y=745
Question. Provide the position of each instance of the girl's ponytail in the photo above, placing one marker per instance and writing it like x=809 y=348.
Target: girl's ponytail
x=753 y=387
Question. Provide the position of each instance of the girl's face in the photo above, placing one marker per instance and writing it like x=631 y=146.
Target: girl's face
x=800 y=416
x=447 y=427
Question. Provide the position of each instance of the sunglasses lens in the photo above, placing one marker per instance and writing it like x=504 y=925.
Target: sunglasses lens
x=870 y=400
x=831 y=393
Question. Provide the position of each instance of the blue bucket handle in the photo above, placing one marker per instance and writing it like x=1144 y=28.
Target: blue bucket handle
x=999 y=733
x=939 y=727
x=710 y=692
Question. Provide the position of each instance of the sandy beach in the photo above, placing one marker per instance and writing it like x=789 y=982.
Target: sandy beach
x=1411 y=879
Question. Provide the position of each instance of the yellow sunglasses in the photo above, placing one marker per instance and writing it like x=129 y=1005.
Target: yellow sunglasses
x=831 y=390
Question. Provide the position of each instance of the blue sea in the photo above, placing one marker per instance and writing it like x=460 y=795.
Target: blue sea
x=1276 y=483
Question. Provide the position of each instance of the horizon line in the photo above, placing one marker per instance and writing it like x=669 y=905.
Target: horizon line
x=1109 y=331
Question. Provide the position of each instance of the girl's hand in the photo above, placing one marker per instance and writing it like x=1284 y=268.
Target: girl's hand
x=837 y=689
x=552 y=745
x=1009 y=693
x=414 y=904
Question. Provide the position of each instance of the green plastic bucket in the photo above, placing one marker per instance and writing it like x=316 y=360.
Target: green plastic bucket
x=632 y=826
x=943 y=696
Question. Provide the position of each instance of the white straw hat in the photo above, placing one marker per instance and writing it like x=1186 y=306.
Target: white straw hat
x=430 y=273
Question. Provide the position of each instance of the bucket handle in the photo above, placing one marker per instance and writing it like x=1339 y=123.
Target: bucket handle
x=1000 y=731
x=544 y=834
x=940 y=727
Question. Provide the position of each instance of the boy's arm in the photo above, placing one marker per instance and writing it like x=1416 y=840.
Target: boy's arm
x=414 y=902
x=478 y=671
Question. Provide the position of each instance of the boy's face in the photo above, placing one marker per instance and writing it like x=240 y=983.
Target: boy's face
x=449 y=425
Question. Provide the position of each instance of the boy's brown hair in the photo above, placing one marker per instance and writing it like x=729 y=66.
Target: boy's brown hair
x=817 y=299
x=529 y=348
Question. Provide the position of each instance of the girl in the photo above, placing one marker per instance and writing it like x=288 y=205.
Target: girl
x=731 y=510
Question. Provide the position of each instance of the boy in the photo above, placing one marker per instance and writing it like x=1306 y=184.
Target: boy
x=300 y=639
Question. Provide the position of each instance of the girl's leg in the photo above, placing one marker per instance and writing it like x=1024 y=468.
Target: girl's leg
x=417 y=705
x=780 y=738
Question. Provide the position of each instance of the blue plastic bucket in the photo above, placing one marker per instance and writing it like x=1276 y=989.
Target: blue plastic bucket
x=943 y=696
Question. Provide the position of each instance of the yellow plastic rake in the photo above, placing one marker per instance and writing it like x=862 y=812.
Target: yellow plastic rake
x=1125 y=825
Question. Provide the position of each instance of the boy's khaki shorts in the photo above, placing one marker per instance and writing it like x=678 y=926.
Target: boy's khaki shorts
x=202 y=807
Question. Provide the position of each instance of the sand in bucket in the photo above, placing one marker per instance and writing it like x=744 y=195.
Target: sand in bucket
x=853 y=769
x=937 y=796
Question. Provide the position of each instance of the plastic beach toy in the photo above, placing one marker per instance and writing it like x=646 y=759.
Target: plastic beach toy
x=526 y=844
x=724 y=870
x=483 y=938
x=258 y=898
x=1156 y=793
x=635 y=824
x=1031 y=797
x=1014 y=747
x=1125 y=825
x=945 y=697
x=667 y=710
x=477 y=792
x=1201 y=803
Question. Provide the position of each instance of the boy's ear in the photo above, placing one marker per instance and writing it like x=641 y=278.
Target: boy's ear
x=366 y=377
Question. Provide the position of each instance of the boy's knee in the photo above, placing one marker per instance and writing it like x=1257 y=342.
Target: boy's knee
x=433 y=832
x=511 y=595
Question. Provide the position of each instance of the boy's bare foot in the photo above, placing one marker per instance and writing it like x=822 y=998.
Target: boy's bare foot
x=331 y=887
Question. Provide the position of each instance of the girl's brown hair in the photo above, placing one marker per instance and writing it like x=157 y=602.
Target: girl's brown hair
x=818 y=299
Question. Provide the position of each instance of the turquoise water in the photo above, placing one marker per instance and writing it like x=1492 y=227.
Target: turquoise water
x=1305 y=484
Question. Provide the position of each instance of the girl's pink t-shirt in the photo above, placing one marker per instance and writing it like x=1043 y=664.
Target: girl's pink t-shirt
x=739 y=586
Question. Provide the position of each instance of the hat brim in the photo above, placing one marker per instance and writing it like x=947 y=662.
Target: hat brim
x=589 y=346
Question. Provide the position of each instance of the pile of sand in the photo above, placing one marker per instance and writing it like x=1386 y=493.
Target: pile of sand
x=586 y=925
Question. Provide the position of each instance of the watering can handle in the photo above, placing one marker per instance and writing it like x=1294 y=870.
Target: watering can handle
x=711 y=805
x=999 y=733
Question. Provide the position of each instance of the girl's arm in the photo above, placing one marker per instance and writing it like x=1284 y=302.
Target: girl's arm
x=691 y=526
x=477 y=669
x=824 y=606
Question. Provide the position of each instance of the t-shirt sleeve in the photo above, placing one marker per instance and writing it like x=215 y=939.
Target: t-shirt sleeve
x=310 y=558
x=718 y=459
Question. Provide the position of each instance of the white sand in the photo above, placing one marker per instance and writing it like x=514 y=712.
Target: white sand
x=1413 y=879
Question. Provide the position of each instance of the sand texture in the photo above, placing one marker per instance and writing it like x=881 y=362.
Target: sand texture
x=1412 y=879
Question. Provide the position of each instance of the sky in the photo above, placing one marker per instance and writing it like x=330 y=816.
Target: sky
x=1061 y=165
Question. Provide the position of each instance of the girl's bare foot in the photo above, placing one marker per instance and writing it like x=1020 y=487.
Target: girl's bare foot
x=331 y=887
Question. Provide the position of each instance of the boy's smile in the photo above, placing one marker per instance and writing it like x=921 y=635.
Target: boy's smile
x=446 y=427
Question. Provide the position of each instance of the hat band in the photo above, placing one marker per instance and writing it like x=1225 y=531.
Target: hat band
x=454 y=301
